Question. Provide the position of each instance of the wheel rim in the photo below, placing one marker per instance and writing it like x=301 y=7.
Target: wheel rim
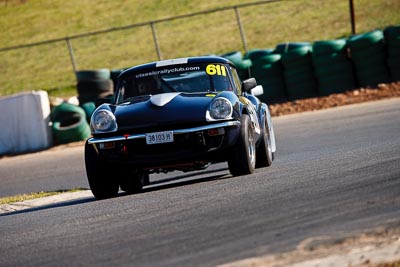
x=252 y=148
x=269 y=149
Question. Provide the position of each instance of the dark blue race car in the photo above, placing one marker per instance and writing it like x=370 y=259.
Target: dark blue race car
x=180 y=114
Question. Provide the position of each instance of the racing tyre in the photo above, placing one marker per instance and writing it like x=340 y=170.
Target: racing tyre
x=100 y=176
x=243 y=156
x=264 y=154
x=133 y=182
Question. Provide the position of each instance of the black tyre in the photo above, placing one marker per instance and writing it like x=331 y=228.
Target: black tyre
x=93 y=74
x=95 y=86
x=242 y=159
x=133 y=181
x=101 y=178
x=264 y=156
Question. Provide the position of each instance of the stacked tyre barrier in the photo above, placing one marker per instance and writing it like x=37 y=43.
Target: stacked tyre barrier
x=93 y=84
x=302 y=70
x=69 y=123
x=255 y=54
x=332 y=67
x=298 y=71
x=114 y=76
x=392 y=38
x=242 y=64
x=268 y=71
x=368 y=54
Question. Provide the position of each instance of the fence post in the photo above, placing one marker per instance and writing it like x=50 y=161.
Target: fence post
x=352 y=17
x=241 y=30
x=71 y=54
x=155 y=38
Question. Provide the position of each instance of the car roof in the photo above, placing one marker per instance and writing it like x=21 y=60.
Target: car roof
x=176 y=61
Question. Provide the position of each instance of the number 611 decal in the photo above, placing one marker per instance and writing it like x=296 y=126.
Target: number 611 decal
x=216 y=70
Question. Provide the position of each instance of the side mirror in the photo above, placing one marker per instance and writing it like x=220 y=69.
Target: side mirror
x=258 y=90
x=249 y=84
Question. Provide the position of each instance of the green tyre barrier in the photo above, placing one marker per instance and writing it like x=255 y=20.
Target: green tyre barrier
x=304 y=63
x=392 y=35
x=301 y=90
x=305 y=73
x=393 y=51
x=265 y=60
x=362 y=55
x=267 y=70
x=395 y=73
x=236 y=57
x=64 y=110
x=371 y=77
x=99 y=74
x=330 y=46
x=75 y=130
x=365 y=40
x=88 y=107
x=335 y=84
x=244 y=64
x=285 y=47
x=328 y=70
x=328 y=59
x=273 y=90
x=255 y=54
x=301 y=54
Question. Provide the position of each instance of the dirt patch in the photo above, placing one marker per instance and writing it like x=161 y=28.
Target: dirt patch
x=349 y=97
x=375 y=248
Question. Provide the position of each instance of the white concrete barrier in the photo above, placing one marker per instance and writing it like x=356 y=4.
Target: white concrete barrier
x=25 y=123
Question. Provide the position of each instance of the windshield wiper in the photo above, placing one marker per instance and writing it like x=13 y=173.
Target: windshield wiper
x=135 y=99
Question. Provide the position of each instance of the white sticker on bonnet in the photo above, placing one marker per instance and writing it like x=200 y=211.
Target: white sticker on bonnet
x=171 y=62
x=163 y=99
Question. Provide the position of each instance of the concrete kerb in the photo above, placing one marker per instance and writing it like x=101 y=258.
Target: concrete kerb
x=44 y=201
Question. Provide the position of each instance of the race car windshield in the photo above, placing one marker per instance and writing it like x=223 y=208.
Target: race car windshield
x=186 y=79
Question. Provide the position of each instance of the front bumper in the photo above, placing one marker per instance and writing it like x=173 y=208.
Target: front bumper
x=176 y=132
x=190 y=145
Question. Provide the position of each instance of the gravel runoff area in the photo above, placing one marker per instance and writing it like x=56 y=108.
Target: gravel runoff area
x=373 y=248
x=349 y=97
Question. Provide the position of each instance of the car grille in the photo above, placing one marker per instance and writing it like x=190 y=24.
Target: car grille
x=184 y=146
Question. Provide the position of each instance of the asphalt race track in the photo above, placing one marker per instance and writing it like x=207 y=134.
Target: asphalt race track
x=335 y=172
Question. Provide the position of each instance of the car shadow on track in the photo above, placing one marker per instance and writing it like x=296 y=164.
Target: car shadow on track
x=185 y=180
x=51 y=206
x=162 y=184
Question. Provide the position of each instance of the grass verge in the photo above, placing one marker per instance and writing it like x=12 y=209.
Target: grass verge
x=24 y=197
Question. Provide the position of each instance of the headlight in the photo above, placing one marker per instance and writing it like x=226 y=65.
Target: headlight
x=220 y=108
x=103 y=121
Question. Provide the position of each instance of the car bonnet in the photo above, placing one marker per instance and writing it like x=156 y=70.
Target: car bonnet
x=168 y=108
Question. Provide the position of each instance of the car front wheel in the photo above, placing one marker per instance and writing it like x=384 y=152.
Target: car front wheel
x=133 y=181
x=264 y=150
x=100 y=176
x=242 y=158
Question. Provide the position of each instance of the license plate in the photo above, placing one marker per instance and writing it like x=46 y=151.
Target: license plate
x=159 y=137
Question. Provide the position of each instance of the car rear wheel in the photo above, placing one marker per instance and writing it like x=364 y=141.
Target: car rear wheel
x=264 y=154
x=100 y=176
x=242 y=158
x=133 y=181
